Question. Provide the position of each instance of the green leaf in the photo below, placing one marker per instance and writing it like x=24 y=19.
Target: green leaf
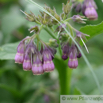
x=92 y=30
x=87 y=84
x=12 y=20
x=11 y=90
x=77 y=91
x=8 y=51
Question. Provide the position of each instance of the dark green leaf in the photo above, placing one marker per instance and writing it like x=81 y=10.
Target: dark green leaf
x=92 y=30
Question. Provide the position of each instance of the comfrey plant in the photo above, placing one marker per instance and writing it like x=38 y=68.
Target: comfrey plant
x=36 y=55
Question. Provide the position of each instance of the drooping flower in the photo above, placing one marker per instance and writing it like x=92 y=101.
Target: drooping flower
x=48 y=64
x=37 y=67
x=89 y=9
x=19 y=58
x=27 y=64
x=73 y=62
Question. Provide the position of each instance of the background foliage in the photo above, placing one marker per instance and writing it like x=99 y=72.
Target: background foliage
x=19 y=86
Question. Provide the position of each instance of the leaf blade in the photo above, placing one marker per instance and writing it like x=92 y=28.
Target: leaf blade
x=92 y=30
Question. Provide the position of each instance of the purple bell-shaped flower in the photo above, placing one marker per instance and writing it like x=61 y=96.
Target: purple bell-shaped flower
x=19 y=58
x=48 y=64
x=37 y=67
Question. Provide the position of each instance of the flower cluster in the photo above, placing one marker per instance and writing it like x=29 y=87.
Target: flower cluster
x=69 y=49
x=88 y=8
x=33 y=59
x=73 y=53
x=37 y=55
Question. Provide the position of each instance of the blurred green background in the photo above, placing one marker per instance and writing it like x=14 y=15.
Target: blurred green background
x=18 y=86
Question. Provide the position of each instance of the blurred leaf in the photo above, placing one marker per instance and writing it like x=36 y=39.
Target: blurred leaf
x=95 y=91
x=77 y=92
x=6 y=97
x=11 y=90
x=45 y=36
x=87 y=84
x=95 y=56
x=1 y=37
x=92 y=30
x=12 y=20
x=8 y=51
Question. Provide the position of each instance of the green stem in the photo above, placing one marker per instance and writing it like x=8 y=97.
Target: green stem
x=64 y=77
x=60 y=51
x=37 y=36
x=63 y=70
x=70 y=28
x=52 y=34
x=65 y=80
x=68 y=19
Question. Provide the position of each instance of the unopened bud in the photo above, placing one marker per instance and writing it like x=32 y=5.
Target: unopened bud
x=79 y=19
x=53 y=43
x=30 y=17
x=34 y=29
x=66 y=8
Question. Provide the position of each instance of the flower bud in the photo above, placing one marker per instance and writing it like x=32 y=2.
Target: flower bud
x=78 y=19
x=66 y=8
x=53 y=43
x=64 y=37
x=30 y=17
x=81 y=35
x=65 y=50
x=34 y=29
x=60 y=28
x=64 y=57
x=55 y=22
